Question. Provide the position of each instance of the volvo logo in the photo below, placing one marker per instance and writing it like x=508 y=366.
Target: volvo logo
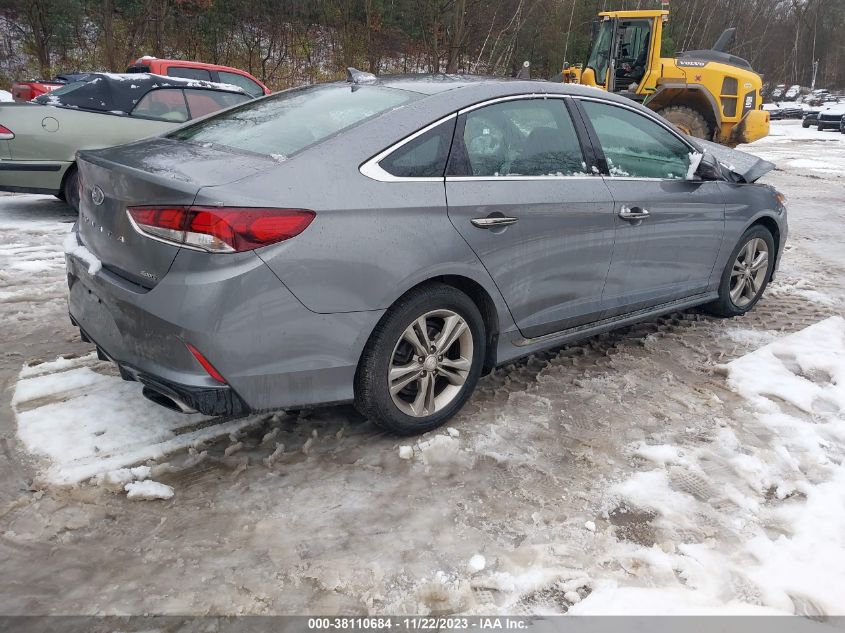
x=97 y=195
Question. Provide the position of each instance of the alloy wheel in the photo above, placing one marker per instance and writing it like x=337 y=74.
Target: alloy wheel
x=430 y=363
x=749 y=272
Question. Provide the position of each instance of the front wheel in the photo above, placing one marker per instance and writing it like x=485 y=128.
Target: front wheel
x=746 y=274
x=422 y=361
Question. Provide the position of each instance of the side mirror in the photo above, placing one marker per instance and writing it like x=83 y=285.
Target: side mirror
x=709 y=168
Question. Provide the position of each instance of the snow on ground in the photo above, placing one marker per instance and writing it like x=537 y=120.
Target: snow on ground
x=87 y=423
x=782 y=553
x=789 y=145
x=683 y=465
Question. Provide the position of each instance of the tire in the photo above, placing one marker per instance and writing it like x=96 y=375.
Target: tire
x=70 y=188
x=730 y=306
x=688 y=120
x=805 y=124
x=820 y=127
x=411 y=410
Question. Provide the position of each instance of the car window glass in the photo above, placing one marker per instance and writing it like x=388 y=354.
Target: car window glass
x=423 y=157
x=189 y=73
x=290 y=121
x=635 y=146
x=529 y=137
x=202 y=102
x=164 y=105
x=245 y=83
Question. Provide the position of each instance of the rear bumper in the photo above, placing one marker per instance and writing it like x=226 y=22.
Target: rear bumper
x=272 y=351
x=214 y=401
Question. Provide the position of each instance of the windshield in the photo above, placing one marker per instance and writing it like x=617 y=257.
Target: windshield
x=288 y=122
x=600 y=52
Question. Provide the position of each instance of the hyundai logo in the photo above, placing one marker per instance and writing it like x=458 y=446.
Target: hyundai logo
x=97 y=195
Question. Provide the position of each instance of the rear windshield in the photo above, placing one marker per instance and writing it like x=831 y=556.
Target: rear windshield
x=285 y=123
x=63 y=90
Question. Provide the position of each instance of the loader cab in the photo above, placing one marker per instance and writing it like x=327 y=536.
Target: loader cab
x=623 y=51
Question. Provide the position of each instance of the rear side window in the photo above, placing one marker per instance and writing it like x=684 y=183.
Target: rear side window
x=166 y=104
x=244 y=83
x=526 y=137
x=202 y=102
x=634 y=145
x=189 y=73
x=289 y=121
x=424 y=156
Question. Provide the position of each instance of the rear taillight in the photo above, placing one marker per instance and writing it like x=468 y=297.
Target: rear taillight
x=6 y=134
x=220 y=229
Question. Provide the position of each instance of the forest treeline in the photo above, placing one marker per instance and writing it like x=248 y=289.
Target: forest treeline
x=289 y=42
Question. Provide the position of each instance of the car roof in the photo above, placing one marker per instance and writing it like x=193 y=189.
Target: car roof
x=435 y=84
x=113 y=92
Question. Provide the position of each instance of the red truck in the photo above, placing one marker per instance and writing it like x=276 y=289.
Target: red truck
x=199 y=70
x=28 y=90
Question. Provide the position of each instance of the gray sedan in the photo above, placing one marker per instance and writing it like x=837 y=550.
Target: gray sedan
x=387 y=242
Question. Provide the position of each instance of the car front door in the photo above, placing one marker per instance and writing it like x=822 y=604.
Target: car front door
x=668 y=228
x=523 y=196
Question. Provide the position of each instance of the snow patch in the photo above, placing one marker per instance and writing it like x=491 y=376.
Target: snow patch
x=73 y=247
x=85 y=423
x=148 y=490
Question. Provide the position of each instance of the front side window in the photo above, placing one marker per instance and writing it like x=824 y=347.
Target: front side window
x=290 y=121
x=424 y=156
x=244 y=83
x=165 y=104
x=526 y=137
x=635 y=146
x=189 y=73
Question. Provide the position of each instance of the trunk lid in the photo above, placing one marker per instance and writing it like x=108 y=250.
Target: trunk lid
x=155 y=172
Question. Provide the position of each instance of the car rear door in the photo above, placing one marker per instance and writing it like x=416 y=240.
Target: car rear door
x=521 y=192
x=668 y=229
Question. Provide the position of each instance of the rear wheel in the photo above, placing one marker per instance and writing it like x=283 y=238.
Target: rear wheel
x=746 y=274
x=70 y=188
x=422 y=361
x=688 y=121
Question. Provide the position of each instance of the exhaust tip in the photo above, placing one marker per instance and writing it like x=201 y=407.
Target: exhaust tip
x=166 y=401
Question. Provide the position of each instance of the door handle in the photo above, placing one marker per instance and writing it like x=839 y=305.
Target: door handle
x=493 y=222
x=633 y=214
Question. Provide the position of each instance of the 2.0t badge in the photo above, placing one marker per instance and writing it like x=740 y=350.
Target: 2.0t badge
x=97 y=195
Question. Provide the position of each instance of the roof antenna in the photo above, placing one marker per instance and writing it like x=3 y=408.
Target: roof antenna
x=525 y=71
x=355 y=76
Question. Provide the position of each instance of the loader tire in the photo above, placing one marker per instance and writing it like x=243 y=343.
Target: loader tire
x=688 y=120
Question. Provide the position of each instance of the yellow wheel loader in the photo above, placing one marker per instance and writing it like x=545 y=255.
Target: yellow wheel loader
x=709 y=94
